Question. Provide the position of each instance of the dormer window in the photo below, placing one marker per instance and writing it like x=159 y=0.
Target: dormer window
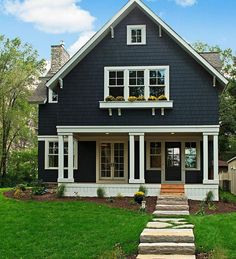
x=136 y=34
x=52 y=96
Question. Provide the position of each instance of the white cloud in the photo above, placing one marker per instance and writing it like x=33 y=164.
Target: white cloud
x=186 y=2
x=51 y=16
x=84 y=37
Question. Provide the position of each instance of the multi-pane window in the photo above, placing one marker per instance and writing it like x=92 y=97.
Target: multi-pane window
x=191 y=155
x=53 y=96
x=136 y=83
x=112 y=160
x=53 y=154
x=119 y=160
x=155 y=155
x=173 y=157
x=136 y=34
x=157 y=82
x=116 y=83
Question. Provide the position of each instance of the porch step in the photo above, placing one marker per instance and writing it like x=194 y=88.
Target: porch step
x=167 y=248
x=168 y=197
x=172 y=189
x=171 y=207
x=166 y=256
x=161 y=213
x=172 y=202
x=167 y=235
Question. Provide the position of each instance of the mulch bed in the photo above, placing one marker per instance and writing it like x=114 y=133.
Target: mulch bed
x=126 y=202
x=116 y=202
x=220 y=207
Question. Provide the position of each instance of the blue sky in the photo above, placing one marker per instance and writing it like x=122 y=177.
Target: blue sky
x=46 y=22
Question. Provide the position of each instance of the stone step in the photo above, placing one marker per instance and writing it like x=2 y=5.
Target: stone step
x=170 y=219
x=167 y=248
x=164 y=213
x=160 y=225
x=172 y=207
x=172 y=197
x=172 y=202
x=148 y=256
x=150 y=235
x=171 y=191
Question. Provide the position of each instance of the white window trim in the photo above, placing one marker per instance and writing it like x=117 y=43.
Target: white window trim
x=46 y=151
x=143 y=34
x=148 y=155
x=50 y=93
x=146 y=69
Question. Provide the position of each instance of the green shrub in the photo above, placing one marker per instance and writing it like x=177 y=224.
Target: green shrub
x=101 y=192
x=143 y=189
x=38 y=188
x=21 y=187
x=22 y=167
x=201 y=211
x=60 y=191
x=209 y=197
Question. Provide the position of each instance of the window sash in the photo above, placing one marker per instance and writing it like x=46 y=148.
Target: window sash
x=191 y=155
x=155 y=151
x=132 y=79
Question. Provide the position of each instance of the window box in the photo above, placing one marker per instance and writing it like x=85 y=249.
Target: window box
x=136 y=105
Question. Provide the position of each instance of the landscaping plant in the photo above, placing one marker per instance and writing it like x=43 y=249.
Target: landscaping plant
x=138 y=197
x=143 y=189
x=101 y=192
x=60 y=191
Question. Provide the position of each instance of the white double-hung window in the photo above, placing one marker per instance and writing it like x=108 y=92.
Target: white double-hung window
x=136 y=81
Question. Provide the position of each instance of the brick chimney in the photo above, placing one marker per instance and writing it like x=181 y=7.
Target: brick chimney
x=59 y=56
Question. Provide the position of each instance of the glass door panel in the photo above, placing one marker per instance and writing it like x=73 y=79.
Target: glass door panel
x=105 y=160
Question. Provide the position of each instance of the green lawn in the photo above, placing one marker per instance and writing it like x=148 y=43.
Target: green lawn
x=66 y=229
x=216 y=232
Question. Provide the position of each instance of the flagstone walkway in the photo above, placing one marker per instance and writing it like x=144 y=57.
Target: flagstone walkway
x=167 y=236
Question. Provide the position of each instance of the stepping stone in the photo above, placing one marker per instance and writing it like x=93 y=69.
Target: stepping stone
x=172 y=207
x=159 y=225
x=166 y=257
x=167 y=248
x=171 y=197
x=187 y=226
x=172 y=202
x=158 y=213
x=167 y=235
x=169 y=219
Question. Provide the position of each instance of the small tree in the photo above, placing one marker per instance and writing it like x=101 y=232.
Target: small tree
x=19 y=69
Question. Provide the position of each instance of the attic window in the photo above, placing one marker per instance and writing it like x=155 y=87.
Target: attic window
x=52 y=96
x=136 y=34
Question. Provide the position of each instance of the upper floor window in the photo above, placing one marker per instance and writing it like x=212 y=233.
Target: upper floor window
x=52 y=96
x=136 y=34
x=136 y=81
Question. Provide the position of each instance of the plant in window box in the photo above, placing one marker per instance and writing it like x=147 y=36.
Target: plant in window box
x=141 y=98
x=162 y=98
x=120 y=99
x=152 y=98
x=138 y=197
x=132 y=99
x=110 y=98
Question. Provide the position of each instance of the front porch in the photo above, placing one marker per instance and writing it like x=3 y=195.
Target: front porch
x=124 y=159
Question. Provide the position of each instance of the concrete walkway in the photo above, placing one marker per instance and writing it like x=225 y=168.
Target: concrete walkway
x=168 y=237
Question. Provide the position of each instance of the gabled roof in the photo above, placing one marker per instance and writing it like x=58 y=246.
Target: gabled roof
x=232 y=159
x=112 y=23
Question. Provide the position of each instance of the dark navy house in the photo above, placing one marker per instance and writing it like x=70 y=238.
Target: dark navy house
x=136 y=105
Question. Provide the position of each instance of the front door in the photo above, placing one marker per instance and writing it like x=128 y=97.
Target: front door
x=173 y=162
x=112 y=160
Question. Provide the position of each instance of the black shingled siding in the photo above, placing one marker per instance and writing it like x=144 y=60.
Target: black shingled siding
x=195 y=99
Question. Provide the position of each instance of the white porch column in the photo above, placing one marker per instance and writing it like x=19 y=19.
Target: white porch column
x=131 y=159
x=215 y=157
x=60 y=158
x=70 y=158
x=141 y=158
x=205 y=158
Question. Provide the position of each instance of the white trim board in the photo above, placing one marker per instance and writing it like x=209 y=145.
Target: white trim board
x=137 y=129
x=112 y=23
